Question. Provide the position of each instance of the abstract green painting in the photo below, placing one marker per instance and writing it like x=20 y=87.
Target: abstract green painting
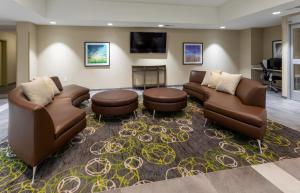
x=97 y=54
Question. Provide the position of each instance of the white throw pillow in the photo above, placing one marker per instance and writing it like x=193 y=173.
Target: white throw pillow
x=207 y=77
x=214 y=79
x=229 y=83
x=37 y=92
x=51 y=85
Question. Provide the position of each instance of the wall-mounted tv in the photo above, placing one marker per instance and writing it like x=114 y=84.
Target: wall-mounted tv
x=148 y=42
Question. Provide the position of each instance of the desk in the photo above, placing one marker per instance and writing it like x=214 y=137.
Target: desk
x=257 y=74
x=145 y=69
x=272 y=70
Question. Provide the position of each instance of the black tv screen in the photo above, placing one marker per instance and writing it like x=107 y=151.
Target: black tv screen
x=148 y=42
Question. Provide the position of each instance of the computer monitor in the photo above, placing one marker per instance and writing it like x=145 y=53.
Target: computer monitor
x=275 y=63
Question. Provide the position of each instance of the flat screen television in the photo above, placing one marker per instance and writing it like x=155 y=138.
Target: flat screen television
x=148 y=42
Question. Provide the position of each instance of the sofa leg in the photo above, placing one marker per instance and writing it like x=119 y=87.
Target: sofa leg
x=135 y=114
x=153 y=115
x=99 y=118
x=205 y=121
x=259 y=145
x=33 y=174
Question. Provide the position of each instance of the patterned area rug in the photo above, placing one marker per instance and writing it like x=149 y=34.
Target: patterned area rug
x=126 y=151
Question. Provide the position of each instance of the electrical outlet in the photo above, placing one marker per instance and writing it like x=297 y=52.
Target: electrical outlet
x=65 y=79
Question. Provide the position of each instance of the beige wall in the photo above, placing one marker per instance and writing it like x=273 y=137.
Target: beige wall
x=27 y=52
x=270 y=34
x=256 y=46
x=245 y=53
x=10 y=38
x=23 y=52
x=251 y=50
x=33 y=58
x=61 y=53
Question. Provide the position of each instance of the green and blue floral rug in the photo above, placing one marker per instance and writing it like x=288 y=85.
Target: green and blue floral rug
x=125 y=151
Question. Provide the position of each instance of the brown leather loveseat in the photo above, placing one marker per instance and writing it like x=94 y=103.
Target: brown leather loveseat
x=245 y=112
x=35 y=132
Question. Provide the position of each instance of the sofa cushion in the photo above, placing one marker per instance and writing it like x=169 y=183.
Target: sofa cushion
x=228 y=83
x=73 y=92
x=214 y=79
x=232 y=107
x=193 y=86
x=37 y=92
x=64 y=115
x=200 y=89
x=206 y=78
x=51 y=85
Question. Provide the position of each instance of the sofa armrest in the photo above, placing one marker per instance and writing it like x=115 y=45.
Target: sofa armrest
x=252 y=92
x=197 y=76
x=30 y=131
x=57 y=82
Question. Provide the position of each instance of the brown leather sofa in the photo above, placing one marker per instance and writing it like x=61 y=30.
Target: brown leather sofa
x=245 y=112
x=35 y=132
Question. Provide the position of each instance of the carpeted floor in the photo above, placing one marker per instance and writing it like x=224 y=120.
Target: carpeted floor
x=126 y=151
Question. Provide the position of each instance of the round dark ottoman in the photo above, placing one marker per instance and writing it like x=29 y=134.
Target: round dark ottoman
x=165 y=99
x=114 y=103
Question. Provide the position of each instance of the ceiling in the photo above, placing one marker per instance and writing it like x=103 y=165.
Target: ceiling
x=175 y=2
x=191 y=14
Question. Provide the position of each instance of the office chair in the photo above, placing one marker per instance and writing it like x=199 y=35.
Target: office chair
x=270 y=78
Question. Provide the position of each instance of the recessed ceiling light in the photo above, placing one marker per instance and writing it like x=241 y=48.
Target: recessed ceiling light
x=52 y=22
x=276 y=13
x=223 y=27
x=161 y=25
x=109 y=24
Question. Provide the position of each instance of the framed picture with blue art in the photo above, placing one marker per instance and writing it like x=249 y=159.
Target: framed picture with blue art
x=192 y=53
x=97 y=54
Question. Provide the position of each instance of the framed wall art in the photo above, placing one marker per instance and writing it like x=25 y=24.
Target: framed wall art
x=97 y=54
x=277 y=49
x=192 y=53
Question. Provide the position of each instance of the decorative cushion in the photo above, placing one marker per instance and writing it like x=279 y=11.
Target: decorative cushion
x=51 y=85
x=228 y=83
x=37 y=92
x=214 y=79
x=206 y=78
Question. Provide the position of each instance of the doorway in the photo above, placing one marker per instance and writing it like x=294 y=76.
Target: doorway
x=295 y=62
x=3 y=63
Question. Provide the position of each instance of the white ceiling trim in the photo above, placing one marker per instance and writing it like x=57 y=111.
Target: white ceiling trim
x=213 y=3
x=124 y=12
x=240 y=8
x=235 y=14
x=37 y=6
